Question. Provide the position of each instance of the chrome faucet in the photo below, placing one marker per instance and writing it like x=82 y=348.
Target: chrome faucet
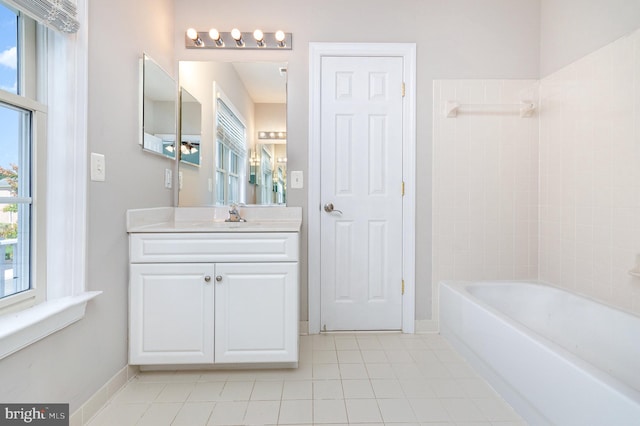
x=234 y=215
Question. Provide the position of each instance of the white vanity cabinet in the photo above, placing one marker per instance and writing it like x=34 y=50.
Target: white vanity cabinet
x=221 y=298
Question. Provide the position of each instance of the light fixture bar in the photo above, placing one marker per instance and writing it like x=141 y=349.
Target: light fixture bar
x=272 y=135
x=202 y=40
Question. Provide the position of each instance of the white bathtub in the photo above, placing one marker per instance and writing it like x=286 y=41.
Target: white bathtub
x=557 y=358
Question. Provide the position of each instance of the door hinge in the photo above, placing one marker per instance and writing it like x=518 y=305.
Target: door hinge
x=403 y=188
x=402 y=286
x=403 y=89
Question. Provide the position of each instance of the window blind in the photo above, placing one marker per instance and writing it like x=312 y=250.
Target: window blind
x=60 y=15
x=230 y=131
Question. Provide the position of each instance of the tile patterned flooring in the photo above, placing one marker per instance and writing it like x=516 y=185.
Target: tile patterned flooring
x=365 y=379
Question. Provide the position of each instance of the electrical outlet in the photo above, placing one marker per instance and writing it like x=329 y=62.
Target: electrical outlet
x=168 y=178
x=98 y=167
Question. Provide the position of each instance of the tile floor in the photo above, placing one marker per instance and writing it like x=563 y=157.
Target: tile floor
x=341 y=379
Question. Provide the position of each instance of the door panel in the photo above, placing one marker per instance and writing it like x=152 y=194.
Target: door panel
x=361 y=165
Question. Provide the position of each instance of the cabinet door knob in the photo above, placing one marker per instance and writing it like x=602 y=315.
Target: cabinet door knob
x=207 y=278
x=219 y=278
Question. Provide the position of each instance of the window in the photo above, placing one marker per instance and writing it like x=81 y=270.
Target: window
x=19 y=115
x=231 y=141
x=43 y=99
x=8 y=49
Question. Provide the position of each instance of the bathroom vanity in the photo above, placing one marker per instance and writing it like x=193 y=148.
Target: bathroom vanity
x=205 y=291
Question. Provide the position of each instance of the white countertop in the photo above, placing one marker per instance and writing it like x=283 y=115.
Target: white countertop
x=212 y=219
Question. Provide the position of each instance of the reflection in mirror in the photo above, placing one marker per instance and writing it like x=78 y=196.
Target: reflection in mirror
x=271 y=171
x=190 y=128
x=239 y=100
x=158 y=109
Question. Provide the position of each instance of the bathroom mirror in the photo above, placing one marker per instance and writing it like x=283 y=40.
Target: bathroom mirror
x=243 y=138
x=190 y=128
x=158 y=105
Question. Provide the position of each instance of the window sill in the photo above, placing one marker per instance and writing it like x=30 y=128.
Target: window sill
x=20 y=329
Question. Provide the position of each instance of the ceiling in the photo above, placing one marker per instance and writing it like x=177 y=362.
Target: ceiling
x=264 y=81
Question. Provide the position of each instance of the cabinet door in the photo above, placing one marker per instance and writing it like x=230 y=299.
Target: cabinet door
x=256 y=312
x=171 y=313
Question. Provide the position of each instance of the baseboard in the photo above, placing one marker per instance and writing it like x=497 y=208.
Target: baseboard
x=89 y=409
x=427 y=326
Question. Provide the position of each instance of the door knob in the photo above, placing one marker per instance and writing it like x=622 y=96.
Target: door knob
x=207 y=278
x=219 y=278
x=329 y=208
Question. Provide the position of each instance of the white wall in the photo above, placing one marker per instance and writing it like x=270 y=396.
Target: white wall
x=485 y=197
x=69 y=366
x=571 y=29
x=454 y=38
x=590 y=174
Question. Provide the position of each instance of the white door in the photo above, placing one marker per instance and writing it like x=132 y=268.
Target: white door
x=361 y=179
x=171 y=313
x=256 y=318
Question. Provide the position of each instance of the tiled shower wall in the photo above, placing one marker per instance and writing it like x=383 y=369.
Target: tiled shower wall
x=555 y=197
x=485 y=205
x=590 y=174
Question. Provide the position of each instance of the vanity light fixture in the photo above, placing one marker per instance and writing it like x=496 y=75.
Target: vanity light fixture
x=273 y=135
x=236 y=39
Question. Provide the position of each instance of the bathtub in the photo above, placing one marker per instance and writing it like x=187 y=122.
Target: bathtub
x=556 y=357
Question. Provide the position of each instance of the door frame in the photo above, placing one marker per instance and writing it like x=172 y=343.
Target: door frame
x=407 y=51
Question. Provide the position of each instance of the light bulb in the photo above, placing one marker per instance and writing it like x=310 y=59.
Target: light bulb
x=258 y=35
x=280 y=36
x=215 y=36
x=237 y=36
x=192 y=34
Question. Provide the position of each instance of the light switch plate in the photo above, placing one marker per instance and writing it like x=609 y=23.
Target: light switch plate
x=98 y=167
x=297 y=180
x=168 y=178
